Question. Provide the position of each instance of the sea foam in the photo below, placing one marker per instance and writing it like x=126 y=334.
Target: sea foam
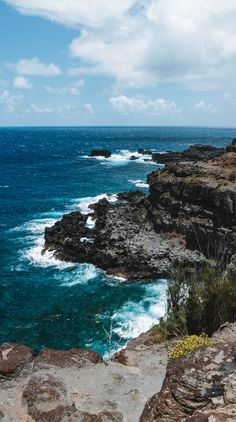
x=134 y=318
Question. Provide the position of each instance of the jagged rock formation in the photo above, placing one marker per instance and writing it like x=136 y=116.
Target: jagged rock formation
x=196 y=152
x=123 y=242
x=198 y=200
x=76 y=385
x=190 y=215
x=100 y=153
x=200 y=387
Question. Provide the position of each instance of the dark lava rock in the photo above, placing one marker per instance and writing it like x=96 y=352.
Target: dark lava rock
x=198 y=201
x=100 y=153
x=125 y=242
x=232 y=146
x=13 y=357
x=196 y=152
x=188 y=217
x=133 y=158
x=199 y=387
x=144 y=151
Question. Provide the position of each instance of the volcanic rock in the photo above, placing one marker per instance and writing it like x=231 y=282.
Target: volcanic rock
x=196 y=152
x=199 y=387
x=100 y=153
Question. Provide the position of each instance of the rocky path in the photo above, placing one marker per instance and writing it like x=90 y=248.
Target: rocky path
x=77 y=385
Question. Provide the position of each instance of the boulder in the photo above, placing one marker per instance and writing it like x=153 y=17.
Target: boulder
x=100 y=153
x=199 y=387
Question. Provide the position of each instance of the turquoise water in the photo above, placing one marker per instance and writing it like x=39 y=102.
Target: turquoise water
x=46 y=172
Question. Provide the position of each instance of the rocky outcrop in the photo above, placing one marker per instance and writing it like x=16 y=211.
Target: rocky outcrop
x=188 y=217
x=198 y=200
x=124 y=240
x=200 y=387
x=100 y=153
x=76 y=385
x=195 y=152
x=232 y=146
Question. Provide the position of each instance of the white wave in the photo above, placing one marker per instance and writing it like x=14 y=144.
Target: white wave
x=35 y=256
x=134 y=319
x=4 y=186
x=123 y=156
x=90 y=223
x=83 y=203
x=35 y=226
x=139 y=183
x=82 y=274
x=86 y=239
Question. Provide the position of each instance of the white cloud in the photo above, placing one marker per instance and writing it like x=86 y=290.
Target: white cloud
x=204 y=107
x=35 y=67
x=9 y=101
x=21 y=82
x=127 y=105
x=63 y=110
x=147 y=42
x=71 y=89
x=74 y=12
x=89 y=108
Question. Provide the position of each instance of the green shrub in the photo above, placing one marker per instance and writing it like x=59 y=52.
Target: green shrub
x=198 y=302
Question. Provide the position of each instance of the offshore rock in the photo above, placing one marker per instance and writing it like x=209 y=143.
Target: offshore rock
x=199 y=387
x=100 y=153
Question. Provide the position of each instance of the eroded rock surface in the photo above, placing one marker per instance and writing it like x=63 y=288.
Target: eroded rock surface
x=124 y=243
x=77 y=385
x=188 y=217
x=200 y=387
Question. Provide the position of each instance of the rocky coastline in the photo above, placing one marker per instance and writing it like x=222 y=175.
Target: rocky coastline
x=188 y=217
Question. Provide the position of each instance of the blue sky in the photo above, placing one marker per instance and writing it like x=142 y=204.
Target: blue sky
x=118 y=62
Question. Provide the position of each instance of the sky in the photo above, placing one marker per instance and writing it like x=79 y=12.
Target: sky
x=118 y=62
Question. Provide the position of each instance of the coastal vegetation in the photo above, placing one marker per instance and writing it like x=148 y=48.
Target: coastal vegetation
x=198 y=303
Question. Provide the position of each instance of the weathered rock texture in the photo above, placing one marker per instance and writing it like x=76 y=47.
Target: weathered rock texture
x=76 y=385
x=198 y=200
x=200 y=387
x=196 y=152
x=125 y=242
x=189 y=216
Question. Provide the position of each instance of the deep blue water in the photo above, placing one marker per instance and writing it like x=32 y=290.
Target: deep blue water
x=45 y=172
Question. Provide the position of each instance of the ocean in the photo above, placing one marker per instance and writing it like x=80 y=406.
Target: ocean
x=46 y=172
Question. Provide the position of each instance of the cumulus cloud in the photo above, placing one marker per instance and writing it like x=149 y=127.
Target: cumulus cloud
x=74 y=12
x=204 y=107
x=128 y=105
x=148 y=42
x=35 y=67
x=21 y=82
x=9 y=101
x=71 y=89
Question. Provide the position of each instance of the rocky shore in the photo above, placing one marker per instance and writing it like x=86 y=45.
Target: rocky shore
x=188 y=217
x=78 y=386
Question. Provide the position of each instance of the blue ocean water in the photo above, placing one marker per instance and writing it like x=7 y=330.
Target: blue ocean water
x=46 y=172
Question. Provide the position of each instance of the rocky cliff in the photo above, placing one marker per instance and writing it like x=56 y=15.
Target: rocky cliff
x=200 y=387
x=188 y=217
x=198 y=200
